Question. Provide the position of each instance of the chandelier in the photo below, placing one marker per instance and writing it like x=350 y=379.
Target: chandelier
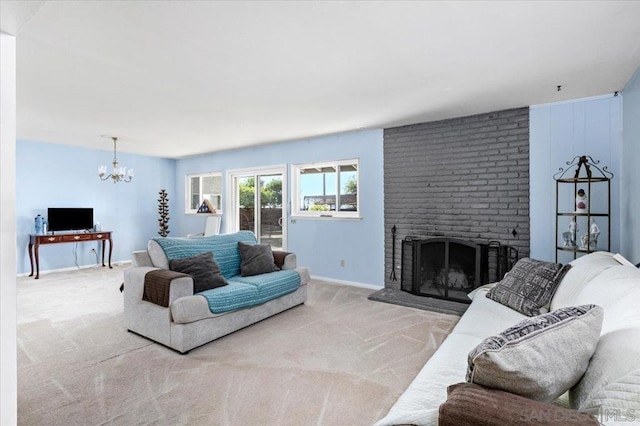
x=119 y=173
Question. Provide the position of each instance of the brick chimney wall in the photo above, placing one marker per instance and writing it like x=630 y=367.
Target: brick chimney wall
x=465 y=178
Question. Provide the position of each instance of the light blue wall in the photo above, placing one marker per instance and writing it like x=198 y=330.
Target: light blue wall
x=558 y=133
x=630 y=206
x=319 y=244
x=50 y=175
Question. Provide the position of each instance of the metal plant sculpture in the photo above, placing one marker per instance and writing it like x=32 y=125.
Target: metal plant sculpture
x=163 y=210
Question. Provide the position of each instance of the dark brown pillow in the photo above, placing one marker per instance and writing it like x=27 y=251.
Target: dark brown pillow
x=529 y=286
x=204 y=270
x=471 y=404
x=256 y=259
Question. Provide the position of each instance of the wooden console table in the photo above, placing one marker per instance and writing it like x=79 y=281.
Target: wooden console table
x=37 y=240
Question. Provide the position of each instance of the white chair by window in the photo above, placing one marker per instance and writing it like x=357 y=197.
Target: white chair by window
x=211 y=227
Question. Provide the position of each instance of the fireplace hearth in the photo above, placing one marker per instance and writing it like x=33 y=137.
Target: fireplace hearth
x=448 y=268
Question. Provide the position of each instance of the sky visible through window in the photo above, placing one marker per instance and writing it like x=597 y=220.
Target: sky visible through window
x=317 y=184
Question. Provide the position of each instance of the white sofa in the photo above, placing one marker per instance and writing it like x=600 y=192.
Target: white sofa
x=188 y=322
x=610 y=389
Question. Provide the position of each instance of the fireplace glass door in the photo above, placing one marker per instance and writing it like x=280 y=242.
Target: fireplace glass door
x=441 y=267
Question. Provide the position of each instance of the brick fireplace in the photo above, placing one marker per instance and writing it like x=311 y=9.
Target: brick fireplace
x=464 y=178
x=448 y=268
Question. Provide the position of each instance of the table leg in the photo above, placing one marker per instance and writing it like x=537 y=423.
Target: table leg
x=110 y=251
x=37 y=253
x=103 y=253
x=31 y=257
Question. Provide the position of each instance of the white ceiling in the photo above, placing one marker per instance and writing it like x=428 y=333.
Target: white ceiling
x=179 y=78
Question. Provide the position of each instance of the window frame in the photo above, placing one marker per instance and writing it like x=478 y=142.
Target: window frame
x=188 y=194
x=296 y=199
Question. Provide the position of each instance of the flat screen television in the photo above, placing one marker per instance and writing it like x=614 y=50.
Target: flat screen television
x=69 y=218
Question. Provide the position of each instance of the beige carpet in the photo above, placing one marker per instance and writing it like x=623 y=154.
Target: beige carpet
x=340 y=359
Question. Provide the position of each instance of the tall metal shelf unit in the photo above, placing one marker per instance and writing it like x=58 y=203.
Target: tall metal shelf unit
x=592 y=179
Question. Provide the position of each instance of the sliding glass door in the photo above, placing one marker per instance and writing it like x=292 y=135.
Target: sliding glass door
x=258 y=204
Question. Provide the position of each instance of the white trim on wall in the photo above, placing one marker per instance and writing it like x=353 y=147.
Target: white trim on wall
x=8 y=297
x=349 y=283
x=573 y=101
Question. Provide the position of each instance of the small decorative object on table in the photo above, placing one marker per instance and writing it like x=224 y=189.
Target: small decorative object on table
x=39 y=225
x=163 y=210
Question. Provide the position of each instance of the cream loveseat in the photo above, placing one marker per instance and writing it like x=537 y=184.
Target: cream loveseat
x=188 y=322
x=610 y=388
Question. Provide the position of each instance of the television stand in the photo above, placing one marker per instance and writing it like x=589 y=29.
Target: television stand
x=36 y=240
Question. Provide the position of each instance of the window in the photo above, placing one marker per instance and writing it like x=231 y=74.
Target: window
x=328 y=189
x=206 y=186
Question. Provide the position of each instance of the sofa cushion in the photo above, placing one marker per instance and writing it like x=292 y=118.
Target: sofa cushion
x=540 y=357
x=256 y=259
x=243 y=292
x=470 y=404
x=203 y=268
x=420 y=401
x=272 y=284
x=617 y=290
x=234 y=296
x=224 y=247
x=611 y=384
x=529 y=286
x=583 y=270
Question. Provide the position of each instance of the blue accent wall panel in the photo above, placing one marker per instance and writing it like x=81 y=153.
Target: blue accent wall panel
x=630 y=189
x=558 y=133
x=52 y=175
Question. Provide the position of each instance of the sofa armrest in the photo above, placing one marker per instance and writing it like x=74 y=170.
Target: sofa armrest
x=141 y=258
x=471 y=404
x=134 y=284
x=158 y=283
x=146 y=318
x=285 y=260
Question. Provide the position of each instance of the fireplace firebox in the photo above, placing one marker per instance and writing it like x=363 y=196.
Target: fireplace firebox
x=448 y=268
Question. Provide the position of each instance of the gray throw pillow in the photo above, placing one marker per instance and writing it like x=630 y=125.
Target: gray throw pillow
x=540 y=357
x=204 y=270
x=529 y=287
x=256 y=259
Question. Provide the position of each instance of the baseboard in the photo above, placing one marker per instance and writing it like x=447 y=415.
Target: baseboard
x=74 y=268
x=349 y=283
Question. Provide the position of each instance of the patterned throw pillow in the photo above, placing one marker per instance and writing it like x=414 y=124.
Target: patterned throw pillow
x=529 y=286
x=540 y=357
